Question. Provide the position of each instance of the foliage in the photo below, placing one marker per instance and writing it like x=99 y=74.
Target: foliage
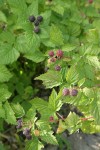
x=73 y=28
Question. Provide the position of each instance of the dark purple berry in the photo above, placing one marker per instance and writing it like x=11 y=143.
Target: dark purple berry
x=73 y=92
x=59 y=53
x=51 y=53
x=65 y=92
x=36 y=22
x=26 y=132
x=40 y=18
x=19 y=124
x=32 y=18
x=29 y=137
x=57 y=68
x=37 y=30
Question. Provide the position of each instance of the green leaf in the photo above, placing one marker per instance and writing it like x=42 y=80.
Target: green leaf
x=18 y=110
x=72 y=75
x=95 y=110
x=81 y=82
x=35 y=56
x=17 y=6
x=58 y=9
x=4 y=93
x=31 y=112
x=94 y=61
x=2 y=111
x=34 y=145
x=8 y=54
x=93 y=36
x=56 y=35
x=71 y=122
x=33 y=8
x=39 y=104
x=50 y=79
x=49 y=137
x=43 y=125
x=5 y=37
x=74 y=29
x=69 y=47
x=2 y=17
x=5 y=75
x=54 y=104
x=10 y=116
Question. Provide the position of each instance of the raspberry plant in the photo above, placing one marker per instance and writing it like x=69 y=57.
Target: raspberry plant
x=68 y=44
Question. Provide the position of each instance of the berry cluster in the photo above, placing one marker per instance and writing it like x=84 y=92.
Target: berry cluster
x=53 y=58
x=67 y=92
x=36 y=22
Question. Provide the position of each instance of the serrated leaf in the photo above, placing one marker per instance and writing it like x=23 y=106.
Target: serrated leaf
x=39 y=104
x=49 y=138
x=5 y=75
x=81 y=82
x=2 y=111
x=10 y=116
x=56 y=35
x=93 y=36
x=4 y=93
x=74 y=29
x=58 y=9
x=43 y=125
x=34 y=145
x=33 y=8
x=69 y=47
x=89 y=92
x=8 y=54
x=95 y=110
x=35 y=56
x=94 y=61
x=17 y=6
x=71 y=122
x=18 y=110
x=54 y=103
x=31 y=113
x=50 y=79
x=5 y=37
x=72 y=75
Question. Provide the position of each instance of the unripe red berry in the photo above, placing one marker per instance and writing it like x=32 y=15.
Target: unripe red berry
x=59 y=53
x=51 y=119
x=90 y=1
x=53 y=59
x=51 y=53
x=73 y=92
x=65 y=92
x=57 y=68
